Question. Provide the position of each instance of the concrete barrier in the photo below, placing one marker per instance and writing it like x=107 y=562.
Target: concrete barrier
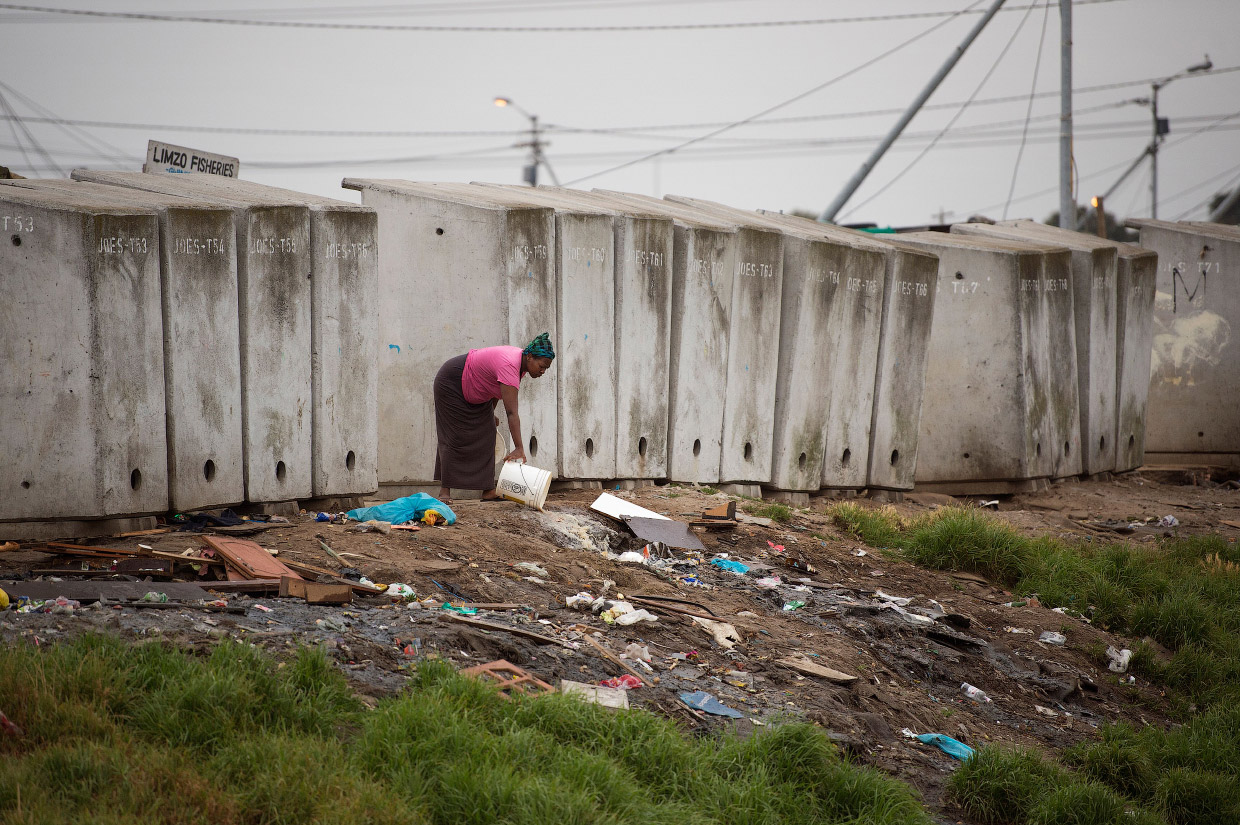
x=643 y=322
x=1134 y=291
x=1194 y=372
x=885 y=452
x=458 y=272
x=343 y=332
x=585 y=368
x=987 y=424
x=274 y=296
x=753 y=349
x=1093 y=271
x=828 y=342
x=202 y=361
x=703 y=256
x=81 y=340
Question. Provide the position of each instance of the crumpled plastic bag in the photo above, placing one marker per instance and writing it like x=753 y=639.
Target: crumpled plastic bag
x=402 y=510
x=1119 y=659
x=625 y=682
x=952 y=747
x=636 y=616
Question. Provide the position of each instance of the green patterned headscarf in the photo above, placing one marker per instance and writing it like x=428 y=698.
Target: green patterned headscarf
x=540 y=347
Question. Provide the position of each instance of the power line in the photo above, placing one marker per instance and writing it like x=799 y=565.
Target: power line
x=1212 y=180
x=383 y=27
x=1033 y=85
x=985 y=79
x=777 y=106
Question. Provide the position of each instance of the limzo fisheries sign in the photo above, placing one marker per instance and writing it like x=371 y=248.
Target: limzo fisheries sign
x=166 y=159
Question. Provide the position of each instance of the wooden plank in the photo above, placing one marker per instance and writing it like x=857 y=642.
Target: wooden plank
x=145 y=567
x=291 y=588
x=136 y=533
x=724 y=512
x=91 y=591
x=328 y=593
x=517 y=631
x=245 y=586
x=177 y=557
x=607 y=654
x=248 y=558
x=311 y=570
x=83 y=550
x=811 y=669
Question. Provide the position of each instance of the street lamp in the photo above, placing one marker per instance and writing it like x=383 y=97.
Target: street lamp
x=1162 y=127
x=535 y=144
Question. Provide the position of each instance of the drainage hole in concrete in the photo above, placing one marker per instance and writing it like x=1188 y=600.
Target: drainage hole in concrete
x=208 y=470
x=846 y=457
x=17 y=240
x=1132 y=440
x=533 y=447
x=350 y=461
x=1102 y=442
x=1039 y=448
x=641 y=446
x=748 y=451
x=1067 y=449
x=439 y=230
x=281 y=471
x=801 y=460
x=966 y=455
x=1201 y=435
x=959 y=276
x=25 y=485
x=895 y=456
x=589 y=448
x=135 y=479
x=697 y=446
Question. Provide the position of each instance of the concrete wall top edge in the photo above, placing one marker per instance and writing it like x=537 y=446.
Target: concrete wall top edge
x=1067 y=237
x=683 y=214
x=612 y=206
x=172 y=185
x=1214 y=230
x=218 y=190
x=549 y=197
x=769 y=221
x=123 y=197
x=471 y=196
x=963 y=241
x=67 y=202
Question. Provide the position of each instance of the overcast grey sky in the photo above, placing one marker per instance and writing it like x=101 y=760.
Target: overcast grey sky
x=632 y=93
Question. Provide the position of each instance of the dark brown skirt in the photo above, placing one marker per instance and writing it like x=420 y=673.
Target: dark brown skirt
x=465 y=457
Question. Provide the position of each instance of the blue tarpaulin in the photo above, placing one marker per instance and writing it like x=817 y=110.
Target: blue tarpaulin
x=409 y=508
x=949 y=746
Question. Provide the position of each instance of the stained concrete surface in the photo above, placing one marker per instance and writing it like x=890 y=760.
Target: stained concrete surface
x=202 y=361
x=1194 y=372
x=457 y=273
x=82 y=344
x=274 y=296
x=986 y=424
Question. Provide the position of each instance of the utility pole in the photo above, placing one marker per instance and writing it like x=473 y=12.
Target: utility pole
x=1162 y=127
x=530 y=172
x=1067 y=204
x=828 y=214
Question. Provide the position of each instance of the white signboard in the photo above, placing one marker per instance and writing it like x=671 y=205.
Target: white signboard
x=166 y=159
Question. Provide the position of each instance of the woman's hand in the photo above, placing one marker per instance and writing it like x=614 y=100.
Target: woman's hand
x=516 y=455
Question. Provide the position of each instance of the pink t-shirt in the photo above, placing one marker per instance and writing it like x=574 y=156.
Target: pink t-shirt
x=486 y=369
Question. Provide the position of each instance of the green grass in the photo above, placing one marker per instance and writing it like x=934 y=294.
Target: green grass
x=122 y=734
x=775 y=511
x=877 y=527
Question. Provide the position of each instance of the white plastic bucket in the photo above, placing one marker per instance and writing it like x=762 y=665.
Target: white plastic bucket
x=524 y=483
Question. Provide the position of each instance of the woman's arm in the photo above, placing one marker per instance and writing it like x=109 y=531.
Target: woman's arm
x=509 y=396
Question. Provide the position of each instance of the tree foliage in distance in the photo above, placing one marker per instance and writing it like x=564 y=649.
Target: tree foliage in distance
x=1087 y=222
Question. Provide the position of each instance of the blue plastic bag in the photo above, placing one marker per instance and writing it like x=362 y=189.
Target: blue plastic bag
x=701 y=700
x=730 y=566
x=402 y=510
x=949 y=746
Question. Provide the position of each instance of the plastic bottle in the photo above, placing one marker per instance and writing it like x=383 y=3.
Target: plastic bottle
x=974 y=693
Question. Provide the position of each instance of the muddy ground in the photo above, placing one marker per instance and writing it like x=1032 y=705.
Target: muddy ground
x=908 y=668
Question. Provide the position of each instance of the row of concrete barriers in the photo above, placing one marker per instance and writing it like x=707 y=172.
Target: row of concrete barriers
x=216 y=341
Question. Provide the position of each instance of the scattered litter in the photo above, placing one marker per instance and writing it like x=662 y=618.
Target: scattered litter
x=614 y=610
x=793 y=605
x=402 y=510
x=1168 y=521
x=701 y=700
x=374 y=525
x=778 y=548
x=530 y=567
x=724 y=633
x=464 y=611
x=635 y=651
x=1052 y=638
x=731 y=566
x=859 y=553
x=900 y=600
x=769 y=582
x=1046 y=711
x=158 y=598
x=992 y=503
x=632 y=557
x=809 y=668
x=597 y=694
x=744 y=518
x=10 y=727
x=581 y=601
x=636 y=616
x=264 y=608
x=625 y=682
x=1010 y=629
x=402 y=591
x=1119 y=659
x=619 y=509
x=508 y=678
x=951 y=747
x=974 y=693
x=331 y=623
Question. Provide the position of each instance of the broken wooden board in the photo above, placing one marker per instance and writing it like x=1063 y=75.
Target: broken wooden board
x=92 y=591
x=146 y=567
x=672 y=533
x=245 y=586
x=724 y=512
x=529 y=634
x=316 y=592
x=508 y=677
x=248 y=558
x=809 y=668
x=84 y=550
